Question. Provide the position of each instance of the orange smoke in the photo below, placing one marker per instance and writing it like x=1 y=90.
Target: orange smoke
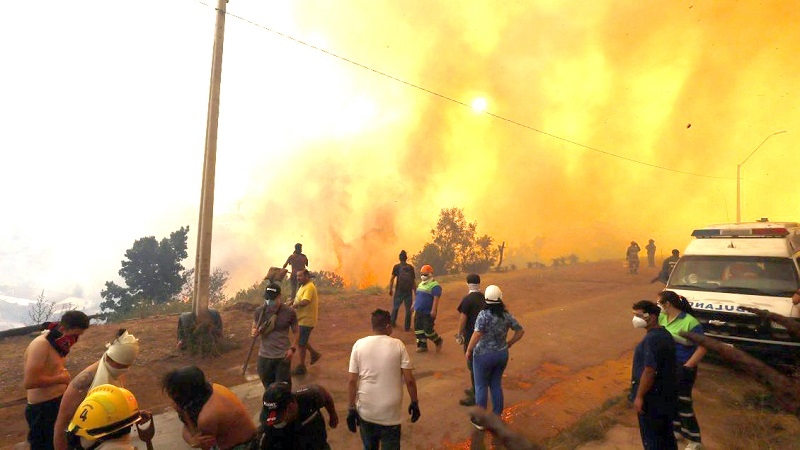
x=621 y=77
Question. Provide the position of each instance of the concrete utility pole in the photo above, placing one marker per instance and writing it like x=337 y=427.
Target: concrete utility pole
x=739 y=178
x=205 y=225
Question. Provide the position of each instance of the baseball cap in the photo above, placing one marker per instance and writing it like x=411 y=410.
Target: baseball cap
x=272 y=291
x=276 y=400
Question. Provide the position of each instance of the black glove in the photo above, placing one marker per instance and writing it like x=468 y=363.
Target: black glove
x=413 y=409
x=352 y=419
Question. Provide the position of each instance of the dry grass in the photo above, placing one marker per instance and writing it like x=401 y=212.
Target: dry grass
x=760 y=429
x=593 y=426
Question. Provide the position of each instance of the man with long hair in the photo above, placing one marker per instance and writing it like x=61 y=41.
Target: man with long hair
x=212 y=415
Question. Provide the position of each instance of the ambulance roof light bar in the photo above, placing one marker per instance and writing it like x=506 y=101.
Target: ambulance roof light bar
x=741 y=232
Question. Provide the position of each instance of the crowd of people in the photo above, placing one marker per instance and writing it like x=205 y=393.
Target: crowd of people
x=95 y=410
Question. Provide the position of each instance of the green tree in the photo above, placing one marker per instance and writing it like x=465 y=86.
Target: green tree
x=432 y=256
x=216 y=284
x=152 y=271
x=455 y=246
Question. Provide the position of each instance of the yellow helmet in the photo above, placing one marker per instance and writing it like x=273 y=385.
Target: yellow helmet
x=105 y=409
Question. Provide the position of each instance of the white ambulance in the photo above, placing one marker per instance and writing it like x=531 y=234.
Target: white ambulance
x=754 y=264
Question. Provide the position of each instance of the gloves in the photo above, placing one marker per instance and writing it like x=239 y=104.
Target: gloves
x=413 y=409
x=460 y=339
x=353 y=419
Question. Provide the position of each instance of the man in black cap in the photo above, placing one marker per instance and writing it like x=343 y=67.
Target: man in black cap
x=294 y=420
x=273 y=322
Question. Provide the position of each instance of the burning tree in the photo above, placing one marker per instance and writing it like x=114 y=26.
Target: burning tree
x=456 y=246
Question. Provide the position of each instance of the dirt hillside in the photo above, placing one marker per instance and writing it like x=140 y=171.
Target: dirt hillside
x=575 y=355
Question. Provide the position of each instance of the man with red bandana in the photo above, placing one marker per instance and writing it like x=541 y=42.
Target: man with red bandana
x=45 y=378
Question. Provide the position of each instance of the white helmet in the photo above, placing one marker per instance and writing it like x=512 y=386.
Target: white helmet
x=493 y=294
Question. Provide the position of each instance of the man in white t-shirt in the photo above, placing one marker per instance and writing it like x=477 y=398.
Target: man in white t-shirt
x=379 y=365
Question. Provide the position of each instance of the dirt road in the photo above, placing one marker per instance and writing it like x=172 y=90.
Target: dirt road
x=575 y=354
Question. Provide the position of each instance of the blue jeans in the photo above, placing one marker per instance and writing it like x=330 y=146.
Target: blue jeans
x=385 y=437
x=487 y=370
x=404 y=299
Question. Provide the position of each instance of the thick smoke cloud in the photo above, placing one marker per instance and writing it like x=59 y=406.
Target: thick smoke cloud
x=694 y=88
x=107 y=133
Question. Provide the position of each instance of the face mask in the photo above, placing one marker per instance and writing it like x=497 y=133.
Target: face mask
x=60 y=342
x=424 y=277
x=269 y=302
x=113 y=371
x=638 y=322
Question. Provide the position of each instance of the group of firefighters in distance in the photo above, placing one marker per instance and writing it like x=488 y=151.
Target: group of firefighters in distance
x=632 y=260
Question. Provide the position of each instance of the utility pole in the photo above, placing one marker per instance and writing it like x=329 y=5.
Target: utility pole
x=739 y=178
x=205 y=224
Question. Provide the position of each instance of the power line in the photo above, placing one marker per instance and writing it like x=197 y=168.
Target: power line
x=459 y=102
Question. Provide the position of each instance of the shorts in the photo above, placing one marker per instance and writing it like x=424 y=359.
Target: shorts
x=41 y=418
x=305 y=333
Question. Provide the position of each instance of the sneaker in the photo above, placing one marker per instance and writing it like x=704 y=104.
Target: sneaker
x=694 y=446
x=474 y=424
x=299 y=370
x=315 y=357
x=422 y=349
x=468 y=401
x=439 y=345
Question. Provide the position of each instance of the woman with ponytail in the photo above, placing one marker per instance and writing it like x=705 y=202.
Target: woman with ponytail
x=676 y=316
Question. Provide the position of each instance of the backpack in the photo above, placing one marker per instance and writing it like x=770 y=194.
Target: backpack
x=405 y=278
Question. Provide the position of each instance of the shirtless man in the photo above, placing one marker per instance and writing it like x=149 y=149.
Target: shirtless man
x=213 y=417
x=109 y=369
x=298 y=261
x=45 y=378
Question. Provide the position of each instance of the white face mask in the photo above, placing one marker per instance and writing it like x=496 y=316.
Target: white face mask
x=424 y=277
x=113 y=371
x=638 y=322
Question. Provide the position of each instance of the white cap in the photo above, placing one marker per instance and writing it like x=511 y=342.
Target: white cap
x=493 y=294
